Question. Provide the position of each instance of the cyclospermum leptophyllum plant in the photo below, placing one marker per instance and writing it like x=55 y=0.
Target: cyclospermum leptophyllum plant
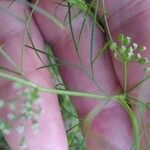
x=126 y=52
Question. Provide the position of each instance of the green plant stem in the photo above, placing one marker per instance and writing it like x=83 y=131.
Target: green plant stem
x=106 y=21
x=51 y=90
x=134 y=123
x=117 y=98
x=125 y=77
x=130 y=112
x=43 y=12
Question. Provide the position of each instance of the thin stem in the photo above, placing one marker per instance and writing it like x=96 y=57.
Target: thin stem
x=134 y=123
x=139 y=83
x=41 y=11
x=72 y=33
x=8 y=58
x=92 y=36
x=56 y=91
x=77 y=49
x=106 y=21
x=125 y=77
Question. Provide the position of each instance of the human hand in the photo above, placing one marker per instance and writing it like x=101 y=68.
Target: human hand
x=111 y=127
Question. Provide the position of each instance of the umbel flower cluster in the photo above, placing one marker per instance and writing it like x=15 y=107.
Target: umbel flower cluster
x=127 y=51
x=28 y=105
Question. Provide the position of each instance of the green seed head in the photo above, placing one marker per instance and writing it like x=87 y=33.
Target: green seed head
x=126 y=50
x=126 y=41
x=113 y=46
x=122 y=49
x=142 y=61
x=120 y=37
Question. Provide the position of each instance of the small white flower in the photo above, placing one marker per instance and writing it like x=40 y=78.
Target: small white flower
x=22 y=147
x=11 y=116
x=12 y=106
x=21 y=129
x=129 y=39
x=35 y=128
x=146 y=60
x=139 y=55
x=28 y=105
x=115 y=55
x=6 y=131
x=130 y=54
x=144 y=48
x=135 y=45
x=23 y=144
x=123 y=47
x=131 y=49
x=1 y=103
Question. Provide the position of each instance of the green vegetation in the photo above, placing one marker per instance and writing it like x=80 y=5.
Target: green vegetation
x=124 y=50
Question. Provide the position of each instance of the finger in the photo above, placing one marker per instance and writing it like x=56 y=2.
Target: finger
x=111 y=120
x=132 y=19
x=14 y=38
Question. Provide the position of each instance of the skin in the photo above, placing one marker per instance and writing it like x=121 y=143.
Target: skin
x=110 y=129
x=51 y=119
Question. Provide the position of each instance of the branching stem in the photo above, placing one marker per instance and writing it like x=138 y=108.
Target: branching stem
x=117 y=98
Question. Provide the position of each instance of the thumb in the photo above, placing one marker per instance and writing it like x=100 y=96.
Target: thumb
x=131 y=18
x=13 y=37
